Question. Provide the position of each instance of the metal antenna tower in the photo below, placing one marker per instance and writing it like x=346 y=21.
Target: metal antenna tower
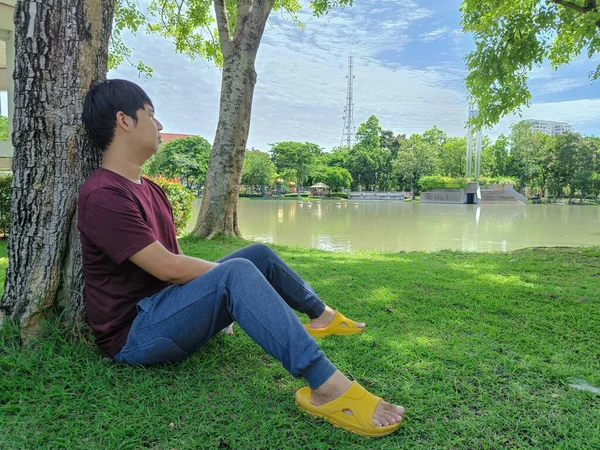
x=349 y=130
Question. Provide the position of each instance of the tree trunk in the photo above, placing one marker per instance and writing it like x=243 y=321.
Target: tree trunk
x=218 y=213
x=61 y=47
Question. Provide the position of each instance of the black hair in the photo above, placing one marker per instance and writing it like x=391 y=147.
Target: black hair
x=102 y=103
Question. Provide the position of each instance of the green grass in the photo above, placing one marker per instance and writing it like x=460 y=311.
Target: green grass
x=479 y=348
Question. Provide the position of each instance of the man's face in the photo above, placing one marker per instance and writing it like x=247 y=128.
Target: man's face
x=147 y=131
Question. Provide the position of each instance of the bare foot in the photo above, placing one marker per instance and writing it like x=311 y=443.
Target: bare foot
x=385 y=413
x=327 y=317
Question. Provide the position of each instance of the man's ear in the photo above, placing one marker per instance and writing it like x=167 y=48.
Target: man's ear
x=124 y=122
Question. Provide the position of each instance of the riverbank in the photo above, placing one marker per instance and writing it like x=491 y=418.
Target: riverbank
x=479 y=347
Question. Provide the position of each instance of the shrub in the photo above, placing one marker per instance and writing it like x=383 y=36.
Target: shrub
x=181 y=200
x=339 y=194
x=248 y=195
x=484 y=181
x=5 y=195
x=440 y=182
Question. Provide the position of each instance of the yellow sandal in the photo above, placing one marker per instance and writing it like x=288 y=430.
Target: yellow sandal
x=356 y=399
x=339 y=325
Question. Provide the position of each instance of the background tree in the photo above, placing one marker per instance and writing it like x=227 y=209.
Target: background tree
x=295 y=156
x=452 y=159
x=337 y=178
x=487 y=158
x=436 y=137
x=258 y=170
x=52 y=156
x=513 y=37
x=391 y=142
x=577 y=157
x=499 y=150
x=234 y=46
x=416 y=159
x=522 y=164
x=186 y=158
x=368 y=162
x=338 y=157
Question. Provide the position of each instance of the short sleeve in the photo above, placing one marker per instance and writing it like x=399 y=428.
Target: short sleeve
x=113 y=222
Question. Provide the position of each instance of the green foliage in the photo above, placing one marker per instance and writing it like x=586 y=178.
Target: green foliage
x=258 y=170
x=499 y=156
x=340 y=194
x=181 y=200
x=368 y=162
x=5 y=202
x=524 y=142
x=440 y=182
x=4 y=128
x=452 y=157
x=127 y=17
x=416 y=159
x=484 y=181
x=186 y=158
x=512 y=37
x=577 y=159
x=391 y=142
x=337 y=158
x=295 y=157
x=337 y=178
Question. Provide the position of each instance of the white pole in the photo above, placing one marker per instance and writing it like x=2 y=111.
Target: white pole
x=469 y=142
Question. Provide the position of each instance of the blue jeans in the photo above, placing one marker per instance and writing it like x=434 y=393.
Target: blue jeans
x=252 y=286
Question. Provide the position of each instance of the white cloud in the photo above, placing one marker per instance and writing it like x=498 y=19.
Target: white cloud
x=440 y=33
x=562 y=85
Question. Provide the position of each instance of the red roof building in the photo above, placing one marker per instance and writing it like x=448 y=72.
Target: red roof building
x=166 y=137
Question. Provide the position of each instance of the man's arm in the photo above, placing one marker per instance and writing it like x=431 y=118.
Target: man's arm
x=166 y=266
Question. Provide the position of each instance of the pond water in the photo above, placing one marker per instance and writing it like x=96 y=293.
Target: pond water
x=392 y=226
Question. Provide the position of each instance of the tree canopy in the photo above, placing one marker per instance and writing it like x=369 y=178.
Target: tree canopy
x=513 y=37
x=186 y=158
x=258 y=170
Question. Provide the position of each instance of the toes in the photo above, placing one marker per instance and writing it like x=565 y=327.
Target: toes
x=383 y=421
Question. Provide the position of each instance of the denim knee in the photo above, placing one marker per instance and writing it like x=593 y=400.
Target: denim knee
x=262 y=249
x=239 y=266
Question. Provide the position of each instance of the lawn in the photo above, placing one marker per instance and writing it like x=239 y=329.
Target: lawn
x=479 y=347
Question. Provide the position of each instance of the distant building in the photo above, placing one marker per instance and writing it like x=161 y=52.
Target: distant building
x=550 y=128
x=166 y=137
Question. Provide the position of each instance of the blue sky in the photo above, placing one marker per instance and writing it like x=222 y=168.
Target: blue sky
x=409 y=72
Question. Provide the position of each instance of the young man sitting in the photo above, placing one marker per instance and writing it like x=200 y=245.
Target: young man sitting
x=148 y=303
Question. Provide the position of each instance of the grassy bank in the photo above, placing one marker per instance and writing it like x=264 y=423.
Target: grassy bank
x=479 y=348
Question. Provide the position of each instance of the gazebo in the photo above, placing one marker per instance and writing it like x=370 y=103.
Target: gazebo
x=319 y=190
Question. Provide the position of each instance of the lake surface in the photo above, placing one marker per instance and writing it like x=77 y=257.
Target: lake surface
x=393 y=226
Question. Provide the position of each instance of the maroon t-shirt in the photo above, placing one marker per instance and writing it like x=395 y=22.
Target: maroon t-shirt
x=118 y=218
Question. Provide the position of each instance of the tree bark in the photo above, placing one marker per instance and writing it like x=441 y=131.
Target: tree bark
x=218 y=212
x=61 y=47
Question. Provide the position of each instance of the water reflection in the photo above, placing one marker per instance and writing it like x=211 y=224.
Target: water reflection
x=394 y=226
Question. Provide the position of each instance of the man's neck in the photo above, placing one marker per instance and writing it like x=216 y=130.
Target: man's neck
x=121 y=165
